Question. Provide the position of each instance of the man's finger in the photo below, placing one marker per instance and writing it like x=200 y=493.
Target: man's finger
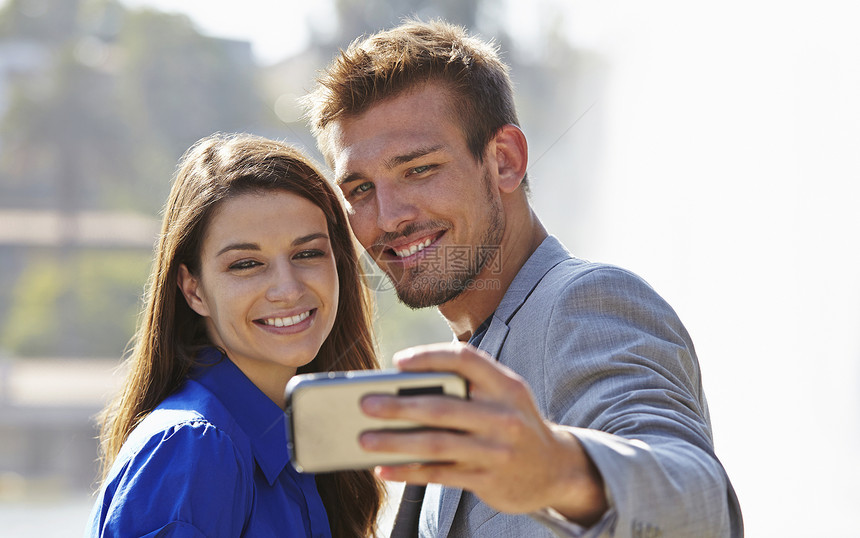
x=448 y=474
x=435 y=411
x=487 y=378
x=438 y=446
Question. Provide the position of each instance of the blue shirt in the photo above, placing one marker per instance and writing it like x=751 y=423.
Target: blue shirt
x=210 y=460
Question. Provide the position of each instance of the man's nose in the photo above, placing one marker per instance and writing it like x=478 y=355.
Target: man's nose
x=393 y=209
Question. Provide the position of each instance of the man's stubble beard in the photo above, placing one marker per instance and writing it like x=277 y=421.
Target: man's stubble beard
x=420 y=288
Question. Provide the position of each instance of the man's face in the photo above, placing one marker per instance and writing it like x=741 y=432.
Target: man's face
x=424 y=208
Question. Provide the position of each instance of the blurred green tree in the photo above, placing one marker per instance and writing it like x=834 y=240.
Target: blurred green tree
x=102 y=288
x=100 y=103
x=99 y=112
x=177 y=86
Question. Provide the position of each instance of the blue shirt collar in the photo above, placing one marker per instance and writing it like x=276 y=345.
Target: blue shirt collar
x=258 y=416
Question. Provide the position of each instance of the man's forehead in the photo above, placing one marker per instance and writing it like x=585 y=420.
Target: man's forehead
x=353 y=147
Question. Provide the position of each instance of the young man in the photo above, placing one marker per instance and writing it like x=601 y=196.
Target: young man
x=587 y=415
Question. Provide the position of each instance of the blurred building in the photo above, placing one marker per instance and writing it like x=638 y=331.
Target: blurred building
x=48 y=405
x=97 y=102
x=47 y=423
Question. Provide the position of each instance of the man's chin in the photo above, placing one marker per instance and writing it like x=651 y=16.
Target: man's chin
x=434 y=293
x=416 y=302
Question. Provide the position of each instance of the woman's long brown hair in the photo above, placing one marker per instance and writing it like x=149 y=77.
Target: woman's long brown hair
x=170 y=333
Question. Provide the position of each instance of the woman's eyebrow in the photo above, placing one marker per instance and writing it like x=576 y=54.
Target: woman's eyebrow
x=308 y=238
x=238 y=246
x=254 y=246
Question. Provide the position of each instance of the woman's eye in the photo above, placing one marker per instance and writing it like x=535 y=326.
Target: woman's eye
x=244 y=264
x=307 y=254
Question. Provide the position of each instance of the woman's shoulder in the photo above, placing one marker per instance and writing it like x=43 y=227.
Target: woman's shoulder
x=191 y=423
x=174 y=466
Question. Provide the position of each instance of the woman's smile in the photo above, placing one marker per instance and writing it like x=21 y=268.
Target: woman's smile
x=294 y=323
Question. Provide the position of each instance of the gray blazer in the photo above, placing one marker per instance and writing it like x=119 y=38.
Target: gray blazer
x=606 y=356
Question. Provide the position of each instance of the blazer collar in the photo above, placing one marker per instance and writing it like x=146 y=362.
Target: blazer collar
x=549 y=254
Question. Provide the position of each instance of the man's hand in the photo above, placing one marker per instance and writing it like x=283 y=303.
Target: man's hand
x=502 y=450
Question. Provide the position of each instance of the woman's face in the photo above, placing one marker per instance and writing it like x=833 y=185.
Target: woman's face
x=267 y=287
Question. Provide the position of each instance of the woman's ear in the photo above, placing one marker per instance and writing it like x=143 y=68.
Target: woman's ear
x=189 y=285
x=512 y=157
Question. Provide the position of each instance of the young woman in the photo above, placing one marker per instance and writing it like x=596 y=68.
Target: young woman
x=255 y=279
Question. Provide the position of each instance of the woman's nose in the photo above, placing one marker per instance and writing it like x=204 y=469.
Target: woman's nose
x=285 y=285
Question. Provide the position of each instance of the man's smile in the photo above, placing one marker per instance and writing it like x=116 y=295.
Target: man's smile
x=406 y=251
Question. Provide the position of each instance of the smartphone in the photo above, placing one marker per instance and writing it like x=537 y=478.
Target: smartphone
x=325 y=419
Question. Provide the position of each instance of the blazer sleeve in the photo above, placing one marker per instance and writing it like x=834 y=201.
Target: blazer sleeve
x=186 y=481
x=620 y=370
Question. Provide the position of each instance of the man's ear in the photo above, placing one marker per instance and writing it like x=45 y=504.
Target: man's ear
x=512 y=157
x=189 y=285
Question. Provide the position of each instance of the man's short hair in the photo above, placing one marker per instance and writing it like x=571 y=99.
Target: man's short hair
x=391 y=62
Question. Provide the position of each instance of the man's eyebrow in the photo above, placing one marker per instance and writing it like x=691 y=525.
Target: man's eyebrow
x=392 y=162
x=348 y=178
x=254 y=246
x=397 y=160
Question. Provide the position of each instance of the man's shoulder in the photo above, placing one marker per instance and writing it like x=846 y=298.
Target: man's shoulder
x=558 y=267
x=554 y=281
x=576 y=274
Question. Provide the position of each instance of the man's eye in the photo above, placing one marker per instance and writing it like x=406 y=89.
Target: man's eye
x=361 y=189
x=421 y=169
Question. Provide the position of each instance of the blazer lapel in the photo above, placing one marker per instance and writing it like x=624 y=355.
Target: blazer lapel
x=492 y=343
x=495 y=336
x=549 y=254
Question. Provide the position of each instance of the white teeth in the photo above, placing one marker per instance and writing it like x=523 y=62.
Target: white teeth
x=286 y=322
x=413 y=249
